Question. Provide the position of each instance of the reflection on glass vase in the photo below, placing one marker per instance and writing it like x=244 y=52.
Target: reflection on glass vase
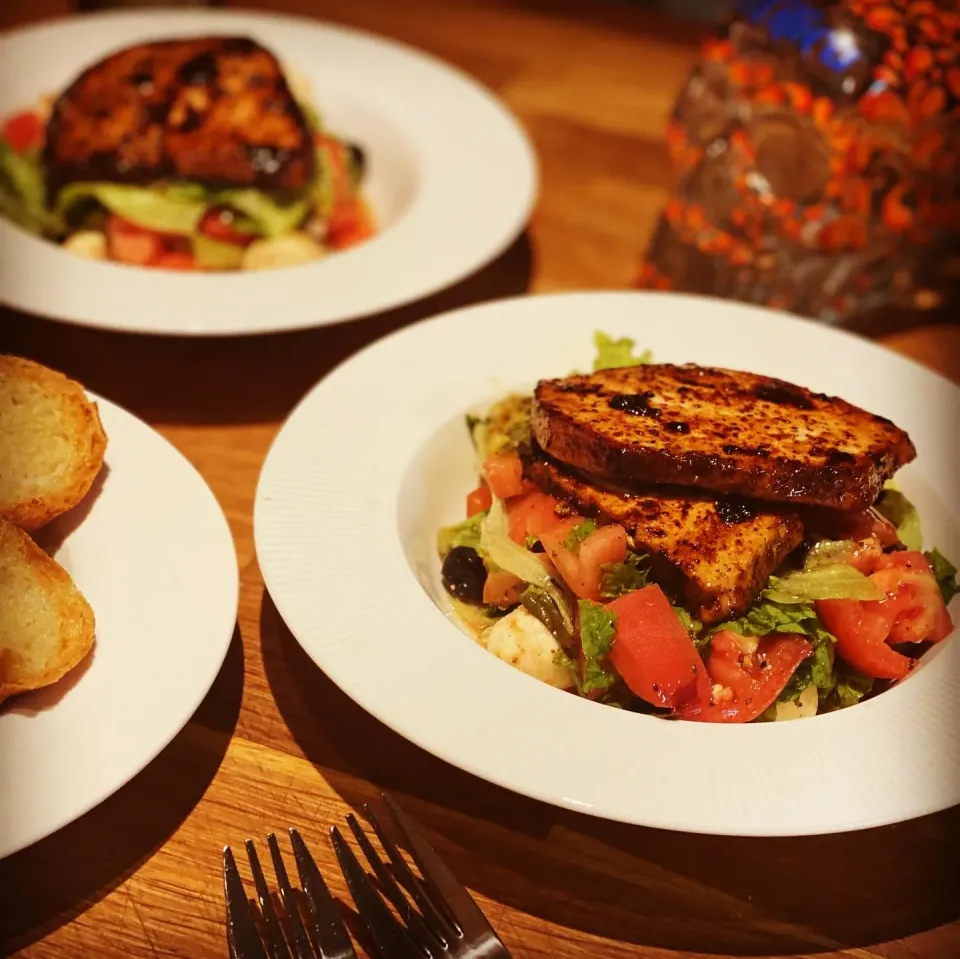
x=815 y=148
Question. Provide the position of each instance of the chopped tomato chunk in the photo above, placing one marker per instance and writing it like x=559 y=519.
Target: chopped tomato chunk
x=751 y=673
x=131 y=244
x=532 y=513
x=913 y=612
x=907 y=578
x=218 y=224
x=862 y=630
x=580 y=568
x=504 y=473
x=566 y=562
x=502 y=588
x=349 y=224
x=24 y=131
x=608 y=544
x=653 y=653
x=479 y=500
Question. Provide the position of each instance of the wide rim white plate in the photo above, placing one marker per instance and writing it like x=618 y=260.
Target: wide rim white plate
x=451 y=175
x=151 y=550
x=376 y=456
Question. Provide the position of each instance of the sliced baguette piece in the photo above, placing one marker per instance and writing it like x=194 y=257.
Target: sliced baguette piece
x=46 y=626
x=51 y=443
x=721 y=430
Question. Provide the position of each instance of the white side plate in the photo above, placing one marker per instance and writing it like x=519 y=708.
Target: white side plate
x=151 y=550
x=376 y=457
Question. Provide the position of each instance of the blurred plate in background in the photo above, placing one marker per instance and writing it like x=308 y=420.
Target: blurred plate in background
x=451 y=178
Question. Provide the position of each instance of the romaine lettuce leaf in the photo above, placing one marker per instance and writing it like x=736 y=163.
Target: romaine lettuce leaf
x=22 y=192
x=272 y=216
x=167 y=209
x=830 y=551
x=506 y=426
x=766 y=617
x=177 y=208
x=466 y=533
x=821 y=665
x=576 y=536
x=693 y=626
x=616 y=353
x=894 y=506
x=851 y=686
x=837 y=581
x=560 y=658
x=597 y=631
x=945 y=572
x=815 y=671
x=618 y=579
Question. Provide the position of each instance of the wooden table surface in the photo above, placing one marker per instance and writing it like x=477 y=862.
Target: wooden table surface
x=276 y=743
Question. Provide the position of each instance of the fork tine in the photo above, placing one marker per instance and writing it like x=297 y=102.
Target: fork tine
x=301 y=941
x=242 y=932
x=436 y=914
x=417 y=927
x=390 y=938
x=331 y=934
x=276 y=944
x=439 y=880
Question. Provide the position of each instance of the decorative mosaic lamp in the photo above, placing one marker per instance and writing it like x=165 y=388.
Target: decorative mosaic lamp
x=816 y=150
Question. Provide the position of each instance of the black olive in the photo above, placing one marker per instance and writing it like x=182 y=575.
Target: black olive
x=464 y=574
x=358 y=160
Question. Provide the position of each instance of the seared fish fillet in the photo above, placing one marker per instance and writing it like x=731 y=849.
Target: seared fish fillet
x=718 y=551
x=720 y=430
x=215 y=110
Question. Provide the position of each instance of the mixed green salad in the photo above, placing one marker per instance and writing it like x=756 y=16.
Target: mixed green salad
x=568 y=599
x=182 y=225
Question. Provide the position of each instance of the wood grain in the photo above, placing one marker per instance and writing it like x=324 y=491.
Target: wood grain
x=275 y=743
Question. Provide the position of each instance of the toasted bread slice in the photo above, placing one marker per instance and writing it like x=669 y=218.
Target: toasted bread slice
x=46 y=626
x=51 y=443
x=213 y=110
x=718 y=552
x=721 y=430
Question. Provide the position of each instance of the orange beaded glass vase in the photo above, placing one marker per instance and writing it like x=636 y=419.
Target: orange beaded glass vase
x=815 y=148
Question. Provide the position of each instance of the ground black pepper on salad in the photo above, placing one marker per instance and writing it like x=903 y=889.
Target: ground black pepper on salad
x=610 y=612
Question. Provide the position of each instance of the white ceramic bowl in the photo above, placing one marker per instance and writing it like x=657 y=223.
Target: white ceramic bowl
x=452 y=179
x=376 y=457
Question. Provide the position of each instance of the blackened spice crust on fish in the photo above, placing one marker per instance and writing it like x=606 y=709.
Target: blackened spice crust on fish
x=211 y=110
x=715 y=551
x=743 y=434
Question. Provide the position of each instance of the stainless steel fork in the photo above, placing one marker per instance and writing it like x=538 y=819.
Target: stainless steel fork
x=439 y=918
x=283 y=934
